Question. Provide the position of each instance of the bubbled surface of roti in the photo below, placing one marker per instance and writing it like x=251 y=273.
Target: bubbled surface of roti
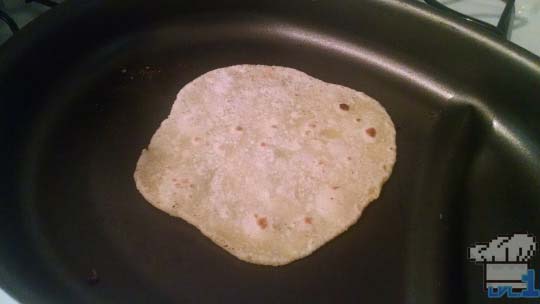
x=268 y=162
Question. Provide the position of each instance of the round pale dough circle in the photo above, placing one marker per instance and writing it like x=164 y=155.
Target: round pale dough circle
x=268 y=162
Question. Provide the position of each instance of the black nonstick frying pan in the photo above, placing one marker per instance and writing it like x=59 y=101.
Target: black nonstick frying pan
x=84 y=87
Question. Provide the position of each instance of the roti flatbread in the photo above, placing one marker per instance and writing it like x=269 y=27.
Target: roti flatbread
x=268 y=162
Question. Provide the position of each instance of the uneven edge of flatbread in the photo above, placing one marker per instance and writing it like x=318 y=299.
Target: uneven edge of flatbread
x=249 y=258
x=239 y=254
x=265 y=262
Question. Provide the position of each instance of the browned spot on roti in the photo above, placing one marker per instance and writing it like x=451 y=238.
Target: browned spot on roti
x=182 y=183
x=335 y=187
x=371 y=132
x=263 y=144
x=344 y=106
x=308 y=220
x=239 y=128
x=262 y=222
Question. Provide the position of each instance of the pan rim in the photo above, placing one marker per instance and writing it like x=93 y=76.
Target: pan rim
x=69 y=10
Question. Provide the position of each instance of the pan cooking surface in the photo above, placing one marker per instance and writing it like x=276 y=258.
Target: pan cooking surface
x=461 y=173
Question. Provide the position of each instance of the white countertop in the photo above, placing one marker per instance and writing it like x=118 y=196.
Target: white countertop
x=525 y=29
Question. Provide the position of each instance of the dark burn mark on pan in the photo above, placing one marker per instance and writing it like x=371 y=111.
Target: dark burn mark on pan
x=92 y=278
